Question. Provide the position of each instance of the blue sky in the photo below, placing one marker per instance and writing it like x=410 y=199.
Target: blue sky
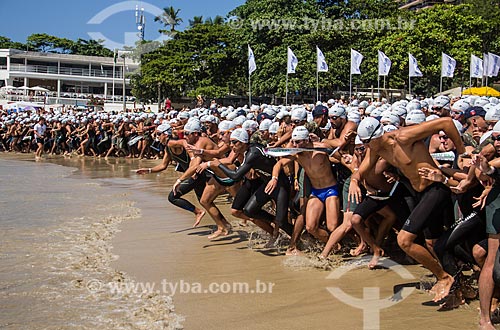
x=113 y=19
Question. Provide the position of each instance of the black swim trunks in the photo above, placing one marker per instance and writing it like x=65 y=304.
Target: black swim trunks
x=433 y=209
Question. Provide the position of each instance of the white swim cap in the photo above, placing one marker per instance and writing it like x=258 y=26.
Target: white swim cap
x=337 y=110
x=392 y=118
x=192 y=126
x=240 y=134
x=432 y=117
x=300 y=133
x=265 y=124
x=389 y=128
x=226 y=125
x=354 y=116
x=299 y=114
x=415 y=117
x=273 y=129
x=183 y=115
x=492 y=114
x=250 y=125
x=370 y=128
x=461 y=106
x=496 y=128
x=164 y=129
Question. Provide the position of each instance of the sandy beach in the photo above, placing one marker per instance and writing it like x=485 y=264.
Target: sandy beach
x=160 y=249
x=162 y=246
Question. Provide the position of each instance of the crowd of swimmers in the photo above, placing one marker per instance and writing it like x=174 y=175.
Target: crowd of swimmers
x=425 y=171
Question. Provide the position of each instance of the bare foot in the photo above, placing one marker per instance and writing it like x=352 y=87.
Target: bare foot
x=377 y=254
x=199 y=216
x=442 y=288
x=362 y=248
x=243 y=223
x=486 y=326
x=219 y=233
x=294 y=252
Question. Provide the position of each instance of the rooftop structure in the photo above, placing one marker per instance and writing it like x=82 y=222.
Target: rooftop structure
x=63 y=78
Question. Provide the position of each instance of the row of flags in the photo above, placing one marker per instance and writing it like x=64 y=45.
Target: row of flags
x=488 y=66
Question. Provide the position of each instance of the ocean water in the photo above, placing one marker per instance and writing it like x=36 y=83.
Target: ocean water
x=55 y=253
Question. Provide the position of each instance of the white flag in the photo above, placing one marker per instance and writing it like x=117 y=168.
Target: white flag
x=493 y=64
x=292 y=62
x=384 y=64
x=320 y=61
x=251 y=61
x=414 y=70
x=485 y=64
x=476 y=67
x=448 y=65
x=356 y=59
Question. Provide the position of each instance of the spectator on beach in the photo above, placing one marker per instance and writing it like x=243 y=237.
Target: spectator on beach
x=39 y=131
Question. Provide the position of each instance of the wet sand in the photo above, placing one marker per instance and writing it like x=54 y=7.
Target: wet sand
x=160 y=245
x=163 y=246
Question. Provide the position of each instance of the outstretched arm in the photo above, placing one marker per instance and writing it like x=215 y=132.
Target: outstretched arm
x=158 y=168
x=419 y=132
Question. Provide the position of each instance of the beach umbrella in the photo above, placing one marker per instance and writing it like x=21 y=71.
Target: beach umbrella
x=39 y=89
x=481 y=91
x=8 y=87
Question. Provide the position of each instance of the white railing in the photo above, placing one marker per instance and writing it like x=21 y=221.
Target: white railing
x=44 y=69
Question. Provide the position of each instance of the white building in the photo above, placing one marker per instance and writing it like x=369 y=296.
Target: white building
x=69 y=79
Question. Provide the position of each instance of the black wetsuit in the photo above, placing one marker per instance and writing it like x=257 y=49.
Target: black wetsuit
x=256 y=159
x=198 y=184
x=182 y=159
x=457 y=242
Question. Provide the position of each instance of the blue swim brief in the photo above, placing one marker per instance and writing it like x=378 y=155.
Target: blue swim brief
x=323 y=193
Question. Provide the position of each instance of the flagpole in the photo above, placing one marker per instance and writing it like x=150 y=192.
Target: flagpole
x=317 y=84
x=378 y=87
x=114 y=65
x=350 y=87
x=441 y=84
x=249 y=90
x=286 y=92
x=409 y=85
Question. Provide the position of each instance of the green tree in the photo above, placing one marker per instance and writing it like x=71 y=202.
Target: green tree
x=45 y=43
x=217 y=20
x=196 y=20
x=211 y=59
x=8 y=43
x=454 y=30
x=200 y=60
x=170 y=19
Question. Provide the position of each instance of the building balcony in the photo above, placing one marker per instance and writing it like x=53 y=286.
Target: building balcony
x=53 y=70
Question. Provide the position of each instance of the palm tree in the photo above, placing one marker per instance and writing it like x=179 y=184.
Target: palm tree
x=214 y=21
x=170 y=19
x=195 y=21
